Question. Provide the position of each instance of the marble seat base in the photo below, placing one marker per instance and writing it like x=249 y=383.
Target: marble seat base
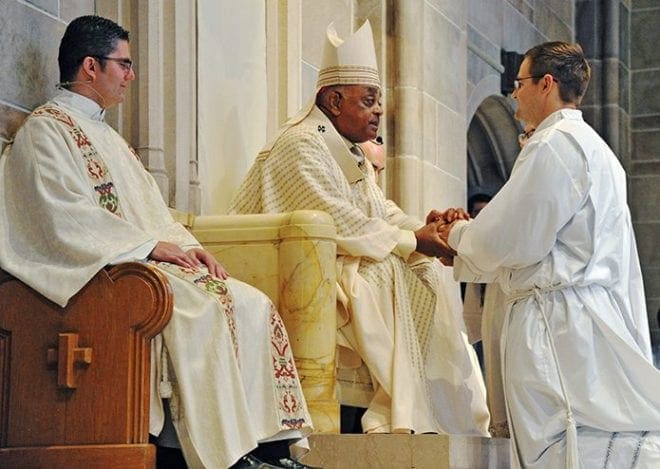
x=383 y=451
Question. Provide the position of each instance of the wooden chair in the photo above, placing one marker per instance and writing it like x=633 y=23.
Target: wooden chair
x=74 y=381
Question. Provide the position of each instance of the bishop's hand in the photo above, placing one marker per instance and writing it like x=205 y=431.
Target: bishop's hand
x=430 y=243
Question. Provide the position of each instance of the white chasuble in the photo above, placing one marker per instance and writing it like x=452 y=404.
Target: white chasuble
x=393 y=311
x=580 y=386
x=75 y=197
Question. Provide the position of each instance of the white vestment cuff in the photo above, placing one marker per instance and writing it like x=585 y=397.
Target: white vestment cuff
x=139 y=253
x=456 y=233
x=406 y=245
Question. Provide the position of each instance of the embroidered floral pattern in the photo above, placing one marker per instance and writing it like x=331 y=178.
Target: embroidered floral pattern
x=96 y=169
x=291 y=409
x=291 y=398
x=107 y=199
x=212 y=286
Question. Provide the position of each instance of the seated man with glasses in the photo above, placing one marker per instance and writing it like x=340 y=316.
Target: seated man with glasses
x=76 y=197
x=125 y=63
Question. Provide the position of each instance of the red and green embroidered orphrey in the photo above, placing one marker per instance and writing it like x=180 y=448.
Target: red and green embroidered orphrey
x=96 y=168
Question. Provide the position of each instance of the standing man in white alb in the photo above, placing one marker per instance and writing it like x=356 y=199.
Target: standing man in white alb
x=580 y=386
x=75 y=197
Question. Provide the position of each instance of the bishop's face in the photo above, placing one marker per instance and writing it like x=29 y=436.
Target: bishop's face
x=359 y=113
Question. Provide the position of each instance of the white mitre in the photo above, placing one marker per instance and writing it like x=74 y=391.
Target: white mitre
x=345 y=62
x=349 y=62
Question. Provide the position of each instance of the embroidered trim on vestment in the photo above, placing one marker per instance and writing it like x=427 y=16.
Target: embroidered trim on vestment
x=348 y=75
x=96 y=168
x=212 y=286
x=290 y=394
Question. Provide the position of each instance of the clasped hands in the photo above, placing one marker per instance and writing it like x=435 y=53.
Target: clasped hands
x=432 y=237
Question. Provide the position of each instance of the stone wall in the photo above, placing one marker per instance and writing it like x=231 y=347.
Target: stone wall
x=426 y=129
x=28 y=54
x=495 y=27
x=158 y=115
x=439 y=61
x=642 y=57
x=623 y=105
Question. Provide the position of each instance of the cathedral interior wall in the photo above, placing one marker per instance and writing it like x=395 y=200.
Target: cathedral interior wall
x=439 y=61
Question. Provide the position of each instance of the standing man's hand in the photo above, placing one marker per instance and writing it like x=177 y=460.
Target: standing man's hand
x=444 y=229
x=452 y=214
x=448 y=216
x=434 y=216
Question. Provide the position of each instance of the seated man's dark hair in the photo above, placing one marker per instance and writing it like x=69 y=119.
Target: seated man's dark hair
x=87 y=36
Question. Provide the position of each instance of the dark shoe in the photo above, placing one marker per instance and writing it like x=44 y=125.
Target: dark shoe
x=289 y=463
x=169 y=458
x=250 y=462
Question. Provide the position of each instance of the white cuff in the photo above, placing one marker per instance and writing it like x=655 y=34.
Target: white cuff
x=406 y=245
x=456 y=233
x=139 y=253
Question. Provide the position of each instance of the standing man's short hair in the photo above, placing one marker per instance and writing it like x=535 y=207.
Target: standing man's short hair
x=566 y=63
x=87 y=36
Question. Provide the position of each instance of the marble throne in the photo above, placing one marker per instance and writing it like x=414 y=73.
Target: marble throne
x=290 y=257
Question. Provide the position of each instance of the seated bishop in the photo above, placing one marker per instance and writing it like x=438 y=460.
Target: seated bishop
x=403 y=354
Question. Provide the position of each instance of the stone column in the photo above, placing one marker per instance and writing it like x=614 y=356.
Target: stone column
x=183 y=118
x=429 y=48
x=406 y=109
x=283 y=62
x=611 y=123
x=150 y=104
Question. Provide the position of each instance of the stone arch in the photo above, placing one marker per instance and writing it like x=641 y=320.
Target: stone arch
x=492 y=145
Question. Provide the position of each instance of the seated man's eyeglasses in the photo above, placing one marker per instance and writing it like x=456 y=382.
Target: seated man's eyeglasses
x=126 y=64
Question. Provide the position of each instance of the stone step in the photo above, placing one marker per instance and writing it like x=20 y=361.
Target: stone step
x=399 y=451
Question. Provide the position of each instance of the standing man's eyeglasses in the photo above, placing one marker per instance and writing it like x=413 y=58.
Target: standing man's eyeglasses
x=126 y=64
x=516 y=82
